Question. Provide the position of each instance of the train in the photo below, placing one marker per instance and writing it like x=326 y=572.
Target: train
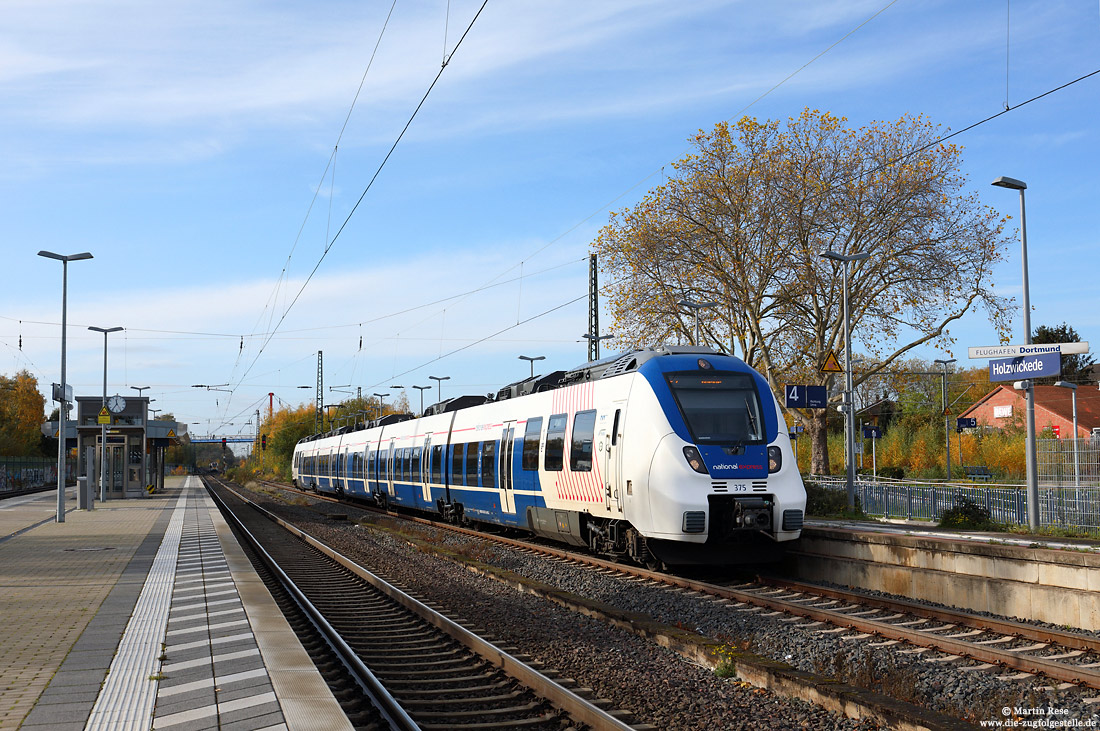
x=671 y=455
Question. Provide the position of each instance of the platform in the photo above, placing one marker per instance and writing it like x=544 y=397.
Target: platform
x=144 y=614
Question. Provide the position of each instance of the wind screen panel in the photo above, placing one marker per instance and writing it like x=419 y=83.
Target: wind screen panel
x=555 y=443
x=531 y=437
x=719 y=408
x=580 y=451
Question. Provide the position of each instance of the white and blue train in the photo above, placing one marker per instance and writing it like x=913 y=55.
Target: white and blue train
x=670 y=455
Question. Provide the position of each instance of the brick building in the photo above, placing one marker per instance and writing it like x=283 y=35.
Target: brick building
x=1004 y=406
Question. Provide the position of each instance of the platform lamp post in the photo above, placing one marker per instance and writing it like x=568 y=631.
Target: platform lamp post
x=594 y=341
x=64 y=259
x=1029 y=391
x=531 y=359
x=849 y=412
x=103 y=426
x=155 y=412
x=439 y=382
x=381 y=403
x=695 y=307
x=421 y=389
x=1076 y=463
x=946 y=417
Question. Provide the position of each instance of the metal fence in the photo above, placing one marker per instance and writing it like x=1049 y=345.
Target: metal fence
x=1066 y=507
x=1057 y=466
x=21 y=473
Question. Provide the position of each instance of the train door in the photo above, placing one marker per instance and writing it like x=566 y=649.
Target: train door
x=423 y=470
x=608 y=445
x=504 y=469
x=390 y=469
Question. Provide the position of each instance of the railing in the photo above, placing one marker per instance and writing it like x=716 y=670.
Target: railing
x=1067 y=507
x=21 y=473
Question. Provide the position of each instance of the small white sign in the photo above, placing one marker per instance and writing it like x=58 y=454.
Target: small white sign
x=1011 y=351
x=1002 y=412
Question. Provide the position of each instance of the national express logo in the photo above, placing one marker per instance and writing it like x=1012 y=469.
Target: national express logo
x=738 y=466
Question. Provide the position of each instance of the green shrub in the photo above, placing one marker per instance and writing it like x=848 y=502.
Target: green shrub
x=965 y=514
x=825 y=502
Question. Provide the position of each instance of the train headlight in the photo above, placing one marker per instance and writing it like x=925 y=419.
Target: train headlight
x=695 y=460
x=775 y=459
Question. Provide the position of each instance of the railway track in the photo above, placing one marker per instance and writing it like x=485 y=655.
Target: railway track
x=972 y=642
x=436 y=673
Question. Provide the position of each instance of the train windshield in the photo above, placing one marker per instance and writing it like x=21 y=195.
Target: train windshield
x=719 y=408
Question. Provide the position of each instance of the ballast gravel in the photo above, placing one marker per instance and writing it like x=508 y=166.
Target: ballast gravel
x=656 y=685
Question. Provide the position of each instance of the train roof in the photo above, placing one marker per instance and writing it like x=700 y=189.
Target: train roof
x=615 y=365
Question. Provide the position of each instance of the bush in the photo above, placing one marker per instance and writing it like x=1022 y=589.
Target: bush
x=823 y=502
x=965 y=514
x=893 y=473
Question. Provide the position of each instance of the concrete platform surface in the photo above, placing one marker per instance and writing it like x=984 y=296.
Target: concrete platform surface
x=140 y=614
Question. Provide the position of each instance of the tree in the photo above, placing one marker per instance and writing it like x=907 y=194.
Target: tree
x=743 y=221
x=1075 y=368
x=22 y=409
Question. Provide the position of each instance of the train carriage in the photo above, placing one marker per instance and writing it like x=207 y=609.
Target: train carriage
x=675 y=455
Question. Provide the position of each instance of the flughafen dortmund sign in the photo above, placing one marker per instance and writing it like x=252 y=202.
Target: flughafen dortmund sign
x=1026 y=361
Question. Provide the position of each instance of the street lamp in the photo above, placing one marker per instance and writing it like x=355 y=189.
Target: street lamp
x=1029 y=392
x=421 y=389
x=381 y=403
x=155 y=412
x=849 y=412
x=103 y=425
x=593 y=344
x=695 y=307
x=946 y=417
x=439 y=382
x=1076 y=463
x=531 y=359
x=139 y=389
x=64 y=259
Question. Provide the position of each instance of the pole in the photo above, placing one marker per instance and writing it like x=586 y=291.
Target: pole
x=946 y=422
x=874 y=458
x=1029 y=394
x=849 y=413
x=103 y=431
x=862 y=444
x=1076 y=463
x=61 y=441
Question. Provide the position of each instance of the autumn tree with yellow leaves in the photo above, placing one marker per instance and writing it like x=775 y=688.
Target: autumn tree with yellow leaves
x=744 y=218
x=22 y=411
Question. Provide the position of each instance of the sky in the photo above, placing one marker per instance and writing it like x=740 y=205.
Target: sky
x=244 y=214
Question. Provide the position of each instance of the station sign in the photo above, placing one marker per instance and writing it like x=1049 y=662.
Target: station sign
x=966 y=422
x=805 y=397
x=872 y=432
x=1013 y=351
x=1025 y=366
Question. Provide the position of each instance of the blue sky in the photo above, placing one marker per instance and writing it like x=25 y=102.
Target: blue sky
x=182 y=144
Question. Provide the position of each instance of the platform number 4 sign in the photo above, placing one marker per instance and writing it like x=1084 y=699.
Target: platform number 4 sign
x=795 y=396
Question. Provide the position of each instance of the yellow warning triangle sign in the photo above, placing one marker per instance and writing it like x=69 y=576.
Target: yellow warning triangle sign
x=831 y=365
x=171 y=433
x=104 y=412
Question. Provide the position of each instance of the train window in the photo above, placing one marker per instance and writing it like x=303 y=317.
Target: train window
x=719 y=408
x=383 y=465
x=580 y=451
x=531 y=444
x=456 y=464
x=471 y=464
x=488 y=464
x=615 y=428
x=555 y=442
x=406 y=467
x=371 y=464
x=416 y=464
x=437 y=464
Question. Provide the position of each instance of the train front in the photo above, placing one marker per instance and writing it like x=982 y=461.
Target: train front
x=723 y=484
